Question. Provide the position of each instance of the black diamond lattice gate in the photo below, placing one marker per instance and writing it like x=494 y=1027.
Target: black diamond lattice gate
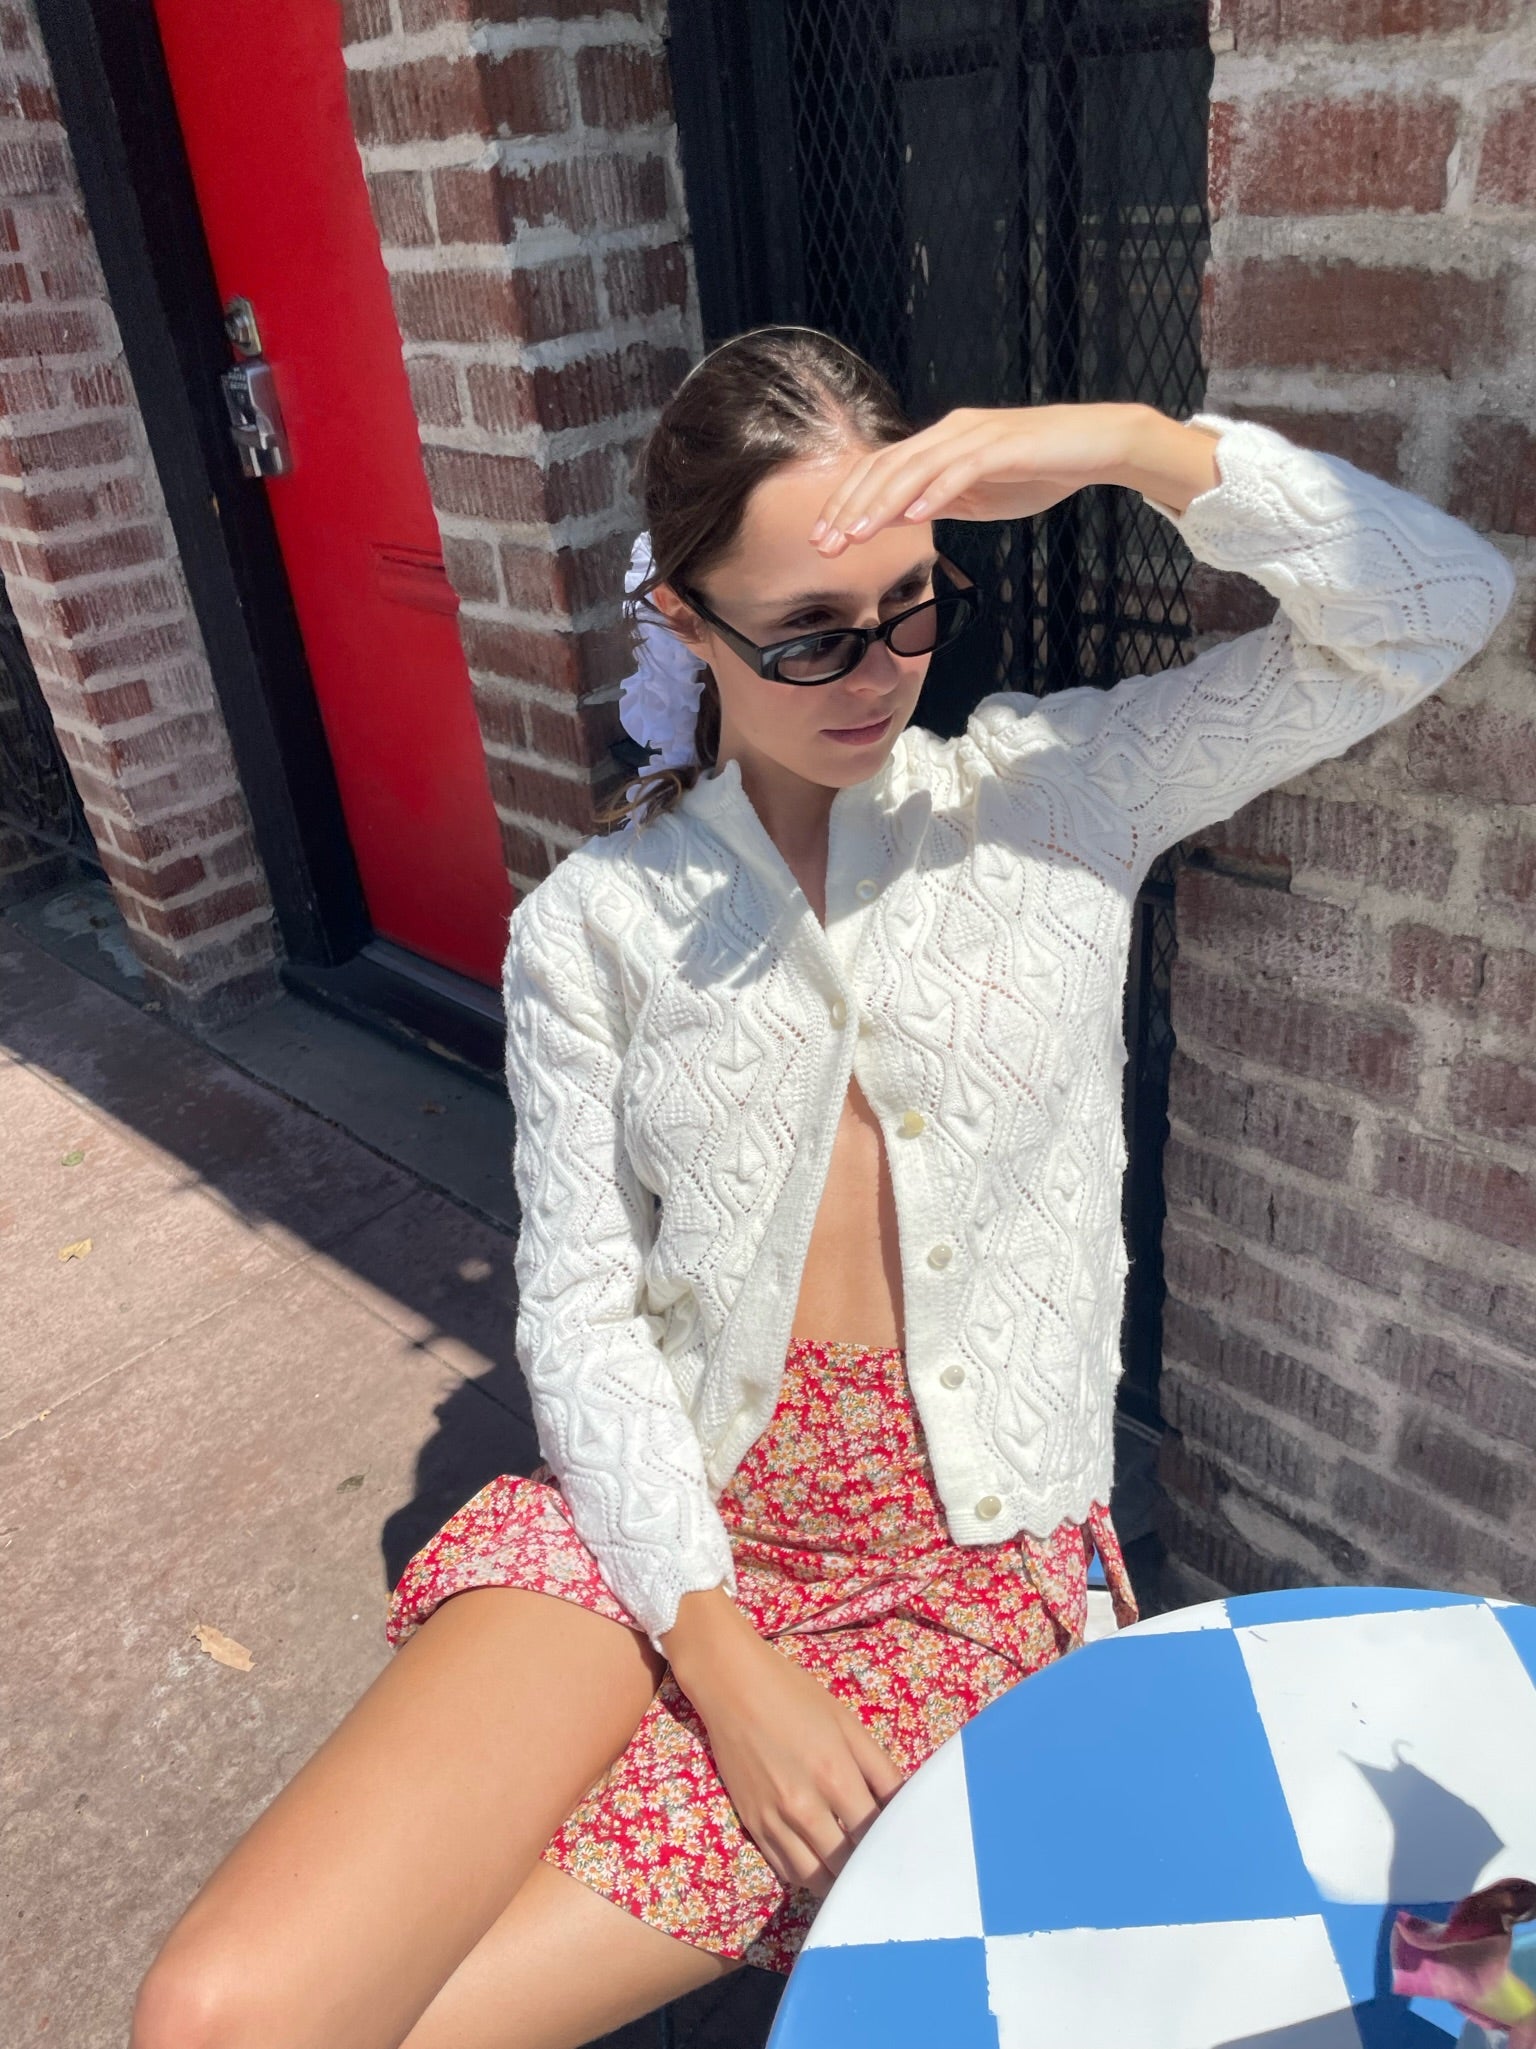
x=999 y=202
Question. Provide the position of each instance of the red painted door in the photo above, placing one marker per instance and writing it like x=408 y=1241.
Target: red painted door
x=260 y=87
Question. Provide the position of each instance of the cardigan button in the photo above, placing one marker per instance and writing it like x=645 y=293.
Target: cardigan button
x=940 y=1255
x=988 y=1507
x=952 y=1376
x=912 y=1123
x=838 y=1012
x=866 y=889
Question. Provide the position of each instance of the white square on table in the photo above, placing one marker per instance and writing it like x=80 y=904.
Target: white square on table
x=1201 y=1986
x=913 y=1878
x=1404 y=1744
x=1179 y=1621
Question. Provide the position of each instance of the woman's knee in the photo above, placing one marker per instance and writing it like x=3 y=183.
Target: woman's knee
x=200 y=1994
x=187 y=2000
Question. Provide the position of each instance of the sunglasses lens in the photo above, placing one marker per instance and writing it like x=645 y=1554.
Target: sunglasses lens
x=819 y=660
x=931 y=626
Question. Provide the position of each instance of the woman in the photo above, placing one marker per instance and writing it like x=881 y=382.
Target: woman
x=816 y=1069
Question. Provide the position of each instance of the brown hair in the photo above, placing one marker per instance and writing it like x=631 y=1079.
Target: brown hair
x=758 y=401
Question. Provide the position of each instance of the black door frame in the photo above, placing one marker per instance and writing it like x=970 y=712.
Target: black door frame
x=120 y=116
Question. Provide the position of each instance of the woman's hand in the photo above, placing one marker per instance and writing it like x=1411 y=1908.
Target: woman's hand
x=803 y=1772
x=1012 y=462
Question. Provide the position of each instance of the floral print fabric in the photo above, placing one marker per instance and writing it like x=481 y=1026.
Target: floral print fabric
x=844 y=1564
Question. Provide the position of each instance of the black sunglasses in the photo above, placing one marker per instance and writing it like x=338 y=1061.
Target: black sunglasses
x=823 y=657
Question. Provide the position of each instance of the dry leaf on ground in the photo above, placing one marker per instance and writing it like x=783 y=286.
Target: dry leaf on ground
x=76 y=1251
x=223 y=1649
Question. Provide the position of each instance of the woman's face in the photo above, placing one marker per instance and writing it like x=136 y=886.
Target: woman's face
x=774 y=585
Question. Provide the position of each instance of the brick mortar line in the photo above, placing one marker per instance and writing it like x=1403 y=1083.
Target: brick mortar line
x=1201 y=1381
x=1433 y=244
x=557 y=445
x=45 y=589
x=1375 y=903
x=1365 y=1537
x=1366 y=1201
x=399 y=47
x=86 y=579
x=100 y=637
x=126 y=469
x=60 y=418
x=183 y=850
x=1252 y=1070
x=92 y=528
x=548 y=698
x=95 y=355
x=611 y=31
x=537 y=152
x=1498 y=927
x=547 y=625
x=463 y=152
x=1461 y=68
x=1434 y=1239
x=1346 y=392
x=519 y=757
x=222 y=934
x=578 y=138
x=584 y=532
x=667 y=330
x=543 y=828
x=529 y=152
x=530 y=249
x=1352 y=1297
x=1428 y=1320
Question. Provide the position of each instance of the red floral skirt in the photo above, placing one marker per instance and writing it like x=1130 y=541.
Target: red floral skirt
x=845 y=1565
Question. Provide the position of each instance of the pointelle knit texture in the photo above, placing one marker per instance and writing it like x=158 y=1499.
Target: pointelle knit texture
x=681 y=1031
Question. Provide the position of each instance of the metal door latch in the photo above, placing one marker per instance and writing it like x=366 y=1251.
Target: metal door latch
x=256 y=419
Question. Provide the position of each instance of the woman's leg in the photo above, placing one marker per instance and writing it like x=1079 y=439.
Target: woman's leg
x=350 y=1903
x=562 y=1966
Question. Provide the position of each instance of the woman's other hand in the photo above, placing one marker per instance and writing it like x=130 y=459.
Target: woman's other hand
x=804 y=1774
x=1013 y=462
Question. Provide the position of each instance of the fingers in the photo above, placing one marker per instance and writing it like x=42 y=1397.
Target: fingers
x=917 y=448
x=881 y=1774
x=812 y=1833
x=913 y=479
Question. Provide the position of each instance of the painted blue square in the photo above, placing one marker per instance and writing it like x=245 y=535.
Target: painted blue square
x=888 y=1995
x=1519 y=1625
x=1131 y=1793
x=1303 y=1604
x=1096 y=1575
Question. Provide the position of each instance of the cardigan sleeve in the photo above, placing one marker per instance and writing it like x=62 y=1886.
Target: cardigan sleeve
x=1382 y=597
x=610 y=1419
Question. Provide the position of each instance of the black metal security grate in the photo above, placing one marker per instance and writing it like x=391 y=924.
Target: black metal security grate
x=999 y=202
x=38 y=798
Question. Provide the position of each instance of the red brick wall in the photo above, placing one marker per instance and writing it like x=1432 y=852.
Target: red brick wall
x=1351 y=1333
x=93 y=575
x=522 y=165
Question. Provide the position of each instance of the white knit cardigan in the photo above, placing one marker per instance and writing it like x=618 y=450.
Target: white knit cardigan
x=681 y=1030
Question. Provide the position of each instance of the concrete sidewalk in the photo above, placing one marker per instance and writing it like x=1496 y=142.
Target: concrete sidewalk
x=247 y=1364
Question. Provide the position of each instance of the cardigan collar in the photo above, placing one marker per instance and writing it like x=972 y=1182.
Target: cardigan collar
x=719 y=798
x=719 y=801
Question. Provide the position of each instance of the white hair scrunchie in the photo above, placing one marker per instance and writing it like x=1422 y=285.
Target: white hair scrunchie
x=659 y=701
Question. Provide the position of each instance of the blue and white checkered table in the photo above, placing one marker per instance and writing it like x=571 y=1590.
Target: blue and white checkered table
x=1192 y=1836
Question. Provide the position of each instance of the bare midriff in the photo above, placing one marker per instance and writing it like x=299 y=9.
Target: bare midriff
x=851 y=1287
